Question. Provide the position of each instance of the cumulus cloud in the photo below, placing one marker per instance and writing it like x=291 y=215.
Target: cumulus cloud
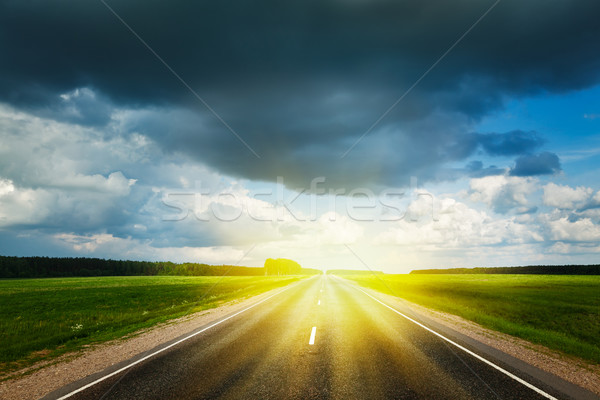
x=571 y=250
x=503 y=193
x=41 y=152
x=60 y=176
x=565 y=197
x=90 y=203
x=460 y=226
x=582 y=230
x=6 y=186
x=130 y=248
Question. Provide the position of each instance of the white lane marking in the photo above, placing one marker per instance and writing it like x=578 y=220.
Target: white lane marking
x=319 y=303
x=491 y=364
x=81 y=389
x=312 y=335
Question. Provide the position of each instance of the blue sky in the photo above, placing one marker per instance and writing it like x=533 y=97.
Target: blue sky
x=341 y=134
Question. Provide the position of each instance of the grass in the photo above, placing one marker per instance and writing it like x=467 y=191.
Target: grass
x=43 y=318
x=559 y=312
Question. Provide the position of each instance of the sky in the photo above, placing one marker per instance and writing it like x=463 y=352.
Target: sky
x=388 y=135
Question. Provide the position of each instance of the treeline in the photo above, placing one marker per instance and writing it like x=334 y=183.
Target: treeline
x=281 y=266
x=48 y=267
x=352 y=272
x=532 y=269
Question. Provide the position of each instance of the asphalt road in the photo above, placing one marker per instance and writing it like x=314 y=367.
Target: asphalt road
x=362 y=350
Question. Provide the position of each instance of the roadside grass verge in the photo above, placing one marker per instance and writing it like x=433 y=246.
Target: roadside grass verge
x=43 y=318
x=559 y=312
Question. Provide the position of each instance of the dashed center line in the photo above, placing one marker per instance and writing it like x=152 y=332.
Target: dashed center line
x=319 y=303
x=312 y=335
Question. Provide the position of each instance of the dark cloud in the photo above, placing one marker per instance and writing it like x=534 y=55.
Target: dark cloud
x=302 y=81
x=474 y=166
x=510 y=143
x=476 y=169
x=545 y=163
x=81 y=106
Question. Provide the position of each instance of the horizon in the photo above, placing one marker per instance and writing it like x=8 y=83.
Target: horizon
x=325 y=270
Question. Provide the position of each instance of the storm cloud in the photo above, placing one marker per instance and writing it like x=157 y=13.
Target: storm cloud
x=301 y=82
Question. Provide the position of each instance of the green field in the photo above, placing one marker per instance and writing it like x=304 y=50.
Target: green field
x=43 y=318
x=559 y=312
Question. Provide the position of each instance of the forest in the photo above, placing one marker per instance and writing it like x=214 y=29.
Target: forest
x=531 y=269
x=55 y=267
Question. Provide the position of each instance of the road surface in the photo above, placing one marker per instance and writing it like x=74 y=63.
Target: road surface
x=321 y=338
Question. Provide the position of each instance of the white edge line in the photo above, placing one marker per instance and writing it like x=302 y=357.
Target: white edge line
x=313 y=333
x=491 y=364
x=81 y=389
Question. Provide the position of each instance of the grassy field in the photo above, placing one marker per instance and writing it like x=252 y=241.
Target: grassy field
x=560 y=312
x=43 y=318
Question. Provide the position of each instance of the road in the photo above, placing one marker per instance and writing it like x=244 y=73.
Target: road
x=321 y=338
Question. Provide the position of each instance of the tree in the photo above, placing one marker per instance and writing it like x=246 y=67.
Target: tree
x=282 y=266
